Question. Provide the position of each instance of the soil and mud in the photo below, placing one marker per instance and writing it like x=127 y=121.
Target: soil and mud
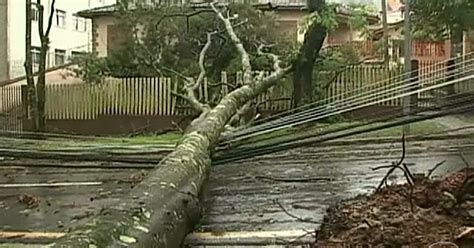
x=432 y=213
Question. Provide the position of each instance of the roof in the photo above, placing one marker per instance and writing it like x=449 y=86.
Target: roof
x=98 y=11
x=109 y=9
x=378 y=30
x=263 y=4
x=21 y=78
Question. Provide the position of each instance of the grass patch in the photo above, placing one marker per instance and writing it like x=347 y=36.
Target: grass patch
x=167 y=138
x=419 y=128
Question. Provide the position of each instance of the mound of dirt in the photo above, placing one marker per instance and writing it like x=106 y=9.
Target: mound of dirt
x=439 y=214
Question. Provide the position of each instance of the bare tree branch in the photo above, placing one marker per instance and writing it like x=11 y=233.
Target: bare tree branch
x=260 y=76
x=40 y=8
x=273 y=57
x=430 y=172
x=192 y=86
x=50 y=20
x=202 y=57
x=246 y=66
x=305 y=220
x=278 y=71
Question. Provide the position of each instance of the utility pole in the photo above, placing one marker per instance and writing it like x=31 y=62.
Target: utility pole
x=386 y=58
x=407 y=56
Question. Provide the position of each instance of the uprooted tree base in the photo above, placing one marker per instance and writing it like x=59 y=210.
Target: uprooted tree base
x=385 y=219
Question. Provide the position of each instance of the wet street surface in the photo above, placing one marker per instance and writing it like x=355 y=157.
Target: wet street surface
x=273 y=198
x=291 y=191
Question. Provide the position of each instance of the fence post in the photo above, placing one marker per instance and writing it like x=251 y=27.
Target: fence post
x=415 y=78
x=450 y=71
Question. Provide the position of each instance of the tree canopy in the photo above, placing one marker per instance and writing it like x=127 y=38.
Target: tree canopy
x=439 y=19
x=163 y=40
x=171 y=38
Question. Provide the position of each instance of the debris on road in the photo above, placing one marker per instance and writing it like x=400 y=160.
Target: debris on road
x=30 y=200
x=443 y=214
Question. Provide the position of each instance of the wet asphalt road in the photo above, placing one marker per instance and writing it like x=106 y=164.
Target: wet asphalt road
x=244 y=196
x=241 y=196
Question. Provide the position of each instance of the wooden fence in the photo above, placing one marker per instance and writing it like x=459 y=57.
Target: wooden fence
x=129 y=96
x=370 y=80
x=138 y=96
x=467 y=68
x=154 y=96
x=11 y=108
x=378 y=82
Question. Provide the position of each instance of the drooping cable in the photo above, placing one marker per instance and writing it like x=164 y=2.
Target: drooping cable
x=345 y=107
x=323 y=109
x=348 y=94
x=459 y=105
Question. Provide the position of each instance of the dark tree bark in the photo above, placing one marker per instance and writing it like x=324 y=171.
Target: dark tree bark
x=36 y=93
x=30 y=81
x=309 y=51
x=165 y=207
x=44 y=38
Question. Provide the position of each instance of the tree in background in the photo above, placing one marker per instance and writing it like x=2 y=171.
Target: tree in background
x=313 y=59
x=36 y=92
x=321 y=19
x=30 y=81
x=168 y=39
x=442 y=19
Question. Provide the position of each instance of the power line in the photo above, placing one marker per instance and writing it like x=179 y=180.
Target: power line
x=385 y=115
x=382 y=82
x=321 y=113
x=467 y=105
x=395 y=88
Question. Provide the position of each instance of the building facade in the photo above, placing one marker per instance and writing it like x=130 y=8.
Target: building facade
x=70 y=34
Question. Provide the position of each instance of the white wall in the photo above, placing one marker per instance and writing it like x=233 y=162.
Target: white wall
x=102 y=23
x=3 y=40
x=64 y=38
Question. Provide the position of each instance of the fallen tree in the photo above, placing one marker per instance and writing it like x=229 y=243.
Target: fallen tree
x=164 y=208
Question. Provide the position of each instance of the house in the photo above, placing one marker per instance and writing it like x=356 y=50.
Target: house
x=421 y=50
x=70 y=34
x=106 y=35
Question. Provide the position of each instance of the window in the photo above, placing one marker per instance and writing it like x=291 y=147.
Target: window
x=59 y=57
x=75 y=54
x=34 y=13
x=60 y=18
x=144 y=3
x=35 y=55
x=80 y=24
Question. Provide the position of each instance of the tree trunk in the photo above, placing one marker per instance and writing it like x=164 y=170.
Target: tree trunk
x=303 y=70
x=41 y=82
x=40 y=87
x=164 y=208
x=30 y=81
x=386 y=56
